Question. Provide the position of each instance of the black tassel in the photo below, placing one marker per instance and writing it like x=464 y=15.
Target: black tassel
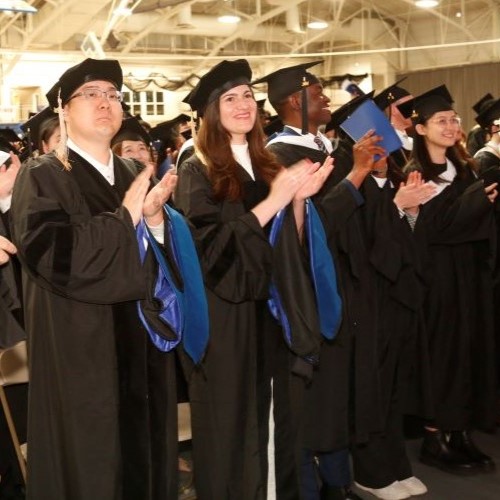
x=305 y=124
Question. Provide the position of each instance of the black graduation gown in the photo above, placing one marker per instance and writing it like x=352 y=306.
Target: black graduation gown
x=11 y=330
x=456 y=240
x=401 y=341
x=102 y=407
x=342 y=401
x=228 y=417
x=489 y=170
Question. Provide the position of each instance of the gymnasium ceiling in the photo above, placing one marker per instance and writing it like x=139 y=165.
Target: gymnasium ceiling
x=187 y=35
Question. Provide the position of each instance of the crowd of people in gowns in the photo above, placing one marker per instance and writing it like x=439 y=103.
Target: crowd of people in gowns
x=301 y=278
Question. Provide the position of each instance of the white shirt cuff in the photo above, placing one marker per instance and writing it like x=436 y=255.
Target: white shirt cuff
x=5 y=203
x=158 y=232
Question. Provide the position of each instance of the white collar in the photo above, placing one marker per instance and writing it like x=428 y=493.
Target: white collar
x=106 y=170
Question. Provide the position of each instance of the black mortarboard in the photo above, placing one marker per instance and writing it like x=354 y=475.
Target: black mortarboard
x=489 y=114
x=422 y=107
x=87 y=71
x=221 y=78
x=390 y=95
x=131 y=130
x=486 y=100
x=341 y=114
x=286 y=81
x=32 y=127
x=162 y=130
x=9 y=135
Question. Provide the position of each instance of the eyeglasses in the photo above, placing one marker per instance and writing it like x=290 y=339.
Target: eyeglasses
x=97 y=94
x=454 y=121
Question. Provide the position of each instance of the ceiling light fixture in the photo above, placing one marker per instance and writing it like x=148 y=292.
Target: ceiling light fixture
x=426 y=4
x=17 y=6
x=229 y=19
x=317 y=25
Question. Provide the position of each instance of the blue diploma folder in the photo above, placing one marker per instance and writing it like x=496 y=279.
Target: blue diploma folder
x=368 y=116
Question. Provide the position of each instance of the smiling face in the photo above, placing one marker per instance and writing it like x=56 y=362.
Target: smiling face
x=318 y=106
x=135 y=149
x=93 y=119
x=238 y=112
x=440 y=130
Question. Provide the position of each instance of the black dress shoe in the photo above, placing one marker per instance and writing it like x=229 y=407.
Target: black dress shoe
x=437 y=452
x=461 y=441
x=334 y=493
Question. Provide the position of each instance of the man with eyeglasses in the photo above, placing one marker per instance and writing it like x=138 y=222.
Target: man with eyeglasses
x=102 y=409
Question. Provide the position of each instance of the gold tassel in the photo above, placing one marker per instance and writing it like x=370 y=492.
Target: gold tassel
x=61 y=151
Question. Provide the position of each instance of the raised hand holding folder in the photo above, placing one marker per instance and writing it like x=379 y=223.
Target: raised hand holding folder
x=368 y=116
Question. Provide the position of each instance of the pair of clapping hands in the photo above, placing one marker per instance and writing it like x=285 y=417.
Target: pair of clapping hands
x=415 y=192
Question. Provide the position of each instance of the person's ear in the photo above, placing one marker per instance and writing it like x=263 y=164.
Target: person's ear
x=420 y=129
x=295 y=101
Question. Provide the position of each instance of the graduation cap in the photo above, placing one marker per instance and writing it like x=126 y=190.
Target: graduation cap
x=390 y=95
x=221 y=78
x=422 y=107
x=351 y=87
x=6 y=146
x=287 y=81
x=163 y=130
x=341 y=114
x=37 y=125
x=9 y=135
x=489 y=114
x=486 y=100
x=87 y=71
x=131 y=130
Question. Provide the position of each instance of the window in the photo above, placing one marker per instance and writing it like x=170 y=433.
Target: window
x=149 y=104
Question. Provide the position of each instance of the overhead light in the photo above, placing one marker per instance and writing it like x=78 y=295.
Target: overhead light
x=426 y=4
x=229 y=19
x=317 y=25
x=17 y=6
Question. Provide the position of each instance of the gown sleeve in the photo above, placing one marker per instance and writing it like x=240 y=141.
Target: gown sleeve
x=452 y=218
x=234 y=252
x=88 y=258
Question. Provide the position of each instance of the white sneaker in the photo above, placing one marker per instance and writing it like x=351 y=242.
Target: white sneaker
x=413 y=486
x=392 y=492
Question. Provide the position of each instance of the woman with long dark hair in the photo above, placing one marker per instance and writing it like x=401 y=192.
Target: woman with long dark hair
x=229 y=191
x=454 y=234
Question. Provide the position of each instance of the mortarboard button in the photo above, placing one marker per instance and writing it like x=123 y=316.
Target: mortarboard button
x=390 y=94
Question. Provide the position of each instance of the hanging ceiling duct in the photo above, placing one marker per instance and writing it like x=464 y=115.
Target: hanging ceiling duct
x=293 y=20
x=184 y=18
